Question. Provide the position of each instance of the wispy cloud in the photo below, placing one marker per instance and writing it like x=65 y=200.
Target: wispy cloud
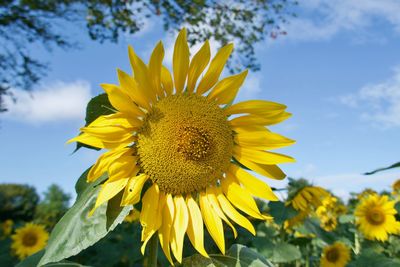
x=326 y=18
x=53 y=102
x=378 y=103
x=342 y=184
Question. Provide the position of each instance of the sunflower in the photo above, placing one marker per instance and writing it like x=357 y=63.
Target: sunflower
x=6 y=228
x=29 y=239
x=329 y=223
x=309 y=197
x=366 y=193
x=375 y=217
x=173 y=133
x=396 y=187
x=328 y=212
x=335 y=255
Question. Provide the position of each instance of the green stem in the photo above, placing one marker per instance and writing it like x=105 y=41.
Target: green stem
x=153 y=247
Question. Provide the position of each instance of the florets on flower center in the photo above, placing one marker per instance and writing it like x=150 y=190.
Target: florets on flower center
x=194 y=143
x=376 y=217
x=185 y=143
x=332 y=255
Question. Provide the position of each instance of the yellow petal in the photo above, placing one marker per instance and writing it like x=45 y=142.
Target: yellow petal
x=90 y=140
x=262 y=140
x=271 y=171
x=259 y=107
x=165 y=230
x=111 y=134
x=214 y=70
x=262 y=157
x=255 y=186
x=130 y=86
x=155 y=66
x=103 y=162
x=123 y=167
x=212 y=221
x=150 y=216
x=133 y=190
x=141 y=75
x=166 y=80
x=121 y=100
x=232 y=213
x=225 y=91
x=180 y=62
x=180 y=225
x=212 y=199
x=117 y=120
x=241 y=198
x=250 y=128
x=249 y=120
x=195 y=230
x=197 y=65
x=106 y=131
x=109 y=190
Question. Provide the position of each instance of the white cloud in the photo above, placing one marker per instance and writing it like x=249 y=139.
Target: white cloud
x=343 y=184
x=54 y=102
x=379 y=103
x=329 y=17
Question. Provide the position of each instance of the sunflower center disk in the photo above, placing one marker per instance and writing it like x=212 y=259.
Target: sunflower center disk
x=29 y=239
x=185 y=143
x=376 y=217
x=332 y=255
x=193 y=143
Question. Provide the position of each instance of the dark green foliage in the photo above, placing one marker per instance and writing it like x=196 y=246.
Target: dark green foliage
x=280 y=212
x=42 y=22
x=52 y=208
x=18 y=202
x=77 y=231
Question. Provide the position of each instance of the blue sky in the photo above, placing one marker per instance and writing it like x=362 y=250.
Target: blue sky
x=337 y=70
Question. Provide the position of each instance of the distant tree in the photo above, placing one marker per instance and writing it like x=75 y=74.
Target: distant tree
x=53 y=206
x=17 y=202
x=26 y=22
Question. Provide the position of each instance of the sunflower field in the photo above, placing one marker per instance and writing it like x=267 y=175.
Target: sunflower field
x=183 y=181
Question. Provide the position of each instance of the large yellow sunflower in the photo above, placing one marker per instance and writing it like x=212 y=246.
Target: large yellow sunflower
x=375 y=217
x=335 y=255
x=174 y=133
x=28 y=240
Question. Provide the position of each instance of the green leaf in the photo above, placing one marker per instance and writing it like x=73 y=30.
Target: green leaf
x=312 y=226
x=396 y=165
x=33 y=261
x=197 y=261
x=284 y=252
x=238 y=256
x=397 y=207
x=97 y=106
x=372 y=259
x=280 y=211
x=114 y=209
x=346 y=218
x=76 y=231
